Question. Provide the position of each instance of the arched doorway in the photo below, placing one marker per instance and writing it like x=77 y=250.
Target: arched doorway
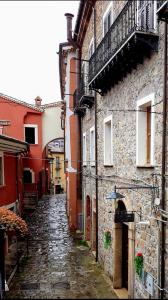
x=88 y=218
x=56 y=180
x=120 y=278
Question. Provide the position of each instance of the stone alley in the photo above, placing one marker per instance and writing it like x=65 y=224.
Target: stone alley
x=57 y=267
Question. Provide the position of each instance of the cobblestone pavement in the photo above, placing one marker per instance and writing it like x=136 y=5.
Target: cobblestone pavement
x=57 y=266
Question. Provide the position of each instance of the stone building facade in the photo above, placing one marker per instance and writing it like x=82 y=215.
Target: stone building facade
x=129 y=112
x=134 y=140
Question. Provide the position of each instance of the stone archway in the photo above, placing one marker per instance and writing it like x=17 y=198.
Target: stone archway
x=88 y=218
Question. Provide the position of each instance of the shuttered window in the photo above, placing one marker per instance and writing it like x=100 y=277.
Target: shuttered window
x=108 y=141
x=107 y=22
x=148 y=132
x=145 y=126
x=92 y=146
x=146 y=15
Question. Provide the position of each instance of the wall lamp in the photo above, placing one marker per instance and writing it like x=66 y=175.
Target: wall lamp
x=115 y=195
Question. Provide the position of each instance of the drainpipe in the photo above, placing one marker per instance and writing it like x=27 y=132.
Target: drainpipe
x=96 y=152
x=163 y=171
x=78 y=70
x=79 y=126
x=17 y=183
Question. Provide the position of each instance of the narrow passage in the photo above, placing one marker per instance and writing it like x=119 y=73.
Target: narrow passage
x=57 y=267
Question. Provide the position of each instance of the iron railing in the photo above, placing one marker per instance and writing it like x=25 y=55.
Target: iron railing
x=132 y=18
x=160 y=3
x=83 y=90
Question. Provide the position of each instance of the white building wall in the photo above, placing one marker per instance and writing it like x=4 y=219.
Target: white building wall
x=51 y=124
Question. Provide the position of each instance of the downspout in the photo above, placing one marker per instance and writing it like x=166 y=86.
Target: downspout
x=96 y=152
x=78 y=120
x=17 y=183
x=79 y=123
x=163 y=171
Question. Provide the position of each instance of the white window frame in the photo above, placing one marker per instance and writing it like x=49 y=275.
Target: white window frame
x=84 y=150
x=35 y=126
x=140 y=160
x=3 y=176
x=107 y=120
x=92 y=161
x=109 y=7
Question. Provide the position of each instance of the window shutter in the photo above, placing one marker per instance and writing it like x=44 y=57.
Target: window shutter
x=109 y=19
x=146 y=15
x=150 y=15
x=105 y=25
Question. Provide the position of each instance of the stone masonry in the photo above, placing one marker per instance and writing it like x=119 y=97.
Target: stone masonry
x=146 y=79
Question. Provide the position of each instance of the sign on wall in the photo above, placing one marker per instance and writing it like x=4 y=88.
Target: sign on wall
x=123 y=216
x=5 y=123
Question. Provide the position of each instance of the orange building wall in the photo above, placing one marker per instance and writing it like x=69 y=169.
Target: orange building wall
x=73 y=199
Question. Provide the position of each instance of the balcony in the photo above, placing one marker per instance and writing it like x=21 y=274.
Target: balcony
x=162 y=10
x=86 y=97
x=130 y=39
x=78 y=109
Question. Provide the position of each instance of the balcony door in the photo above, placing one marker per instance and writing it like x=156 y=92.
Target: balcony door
x=146 y=15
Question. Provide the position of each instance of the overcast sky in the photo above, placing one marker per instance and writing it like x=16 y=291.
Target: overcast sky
x=30 y=33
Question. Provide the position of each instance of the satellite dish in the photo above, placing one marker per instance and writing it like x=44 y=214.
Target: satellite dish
x=157 y=201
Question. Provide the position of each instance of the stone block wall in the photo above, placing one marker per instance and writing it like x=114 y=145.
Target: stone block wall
x=146 y=79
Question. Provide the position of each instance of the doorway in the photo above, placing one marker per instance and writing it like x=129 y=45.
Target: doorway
x=121 y=242
x=88 y=218
x=124 y=255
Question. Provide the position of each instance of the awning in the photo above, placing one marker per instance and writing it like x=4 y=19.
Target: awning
x=8 y=144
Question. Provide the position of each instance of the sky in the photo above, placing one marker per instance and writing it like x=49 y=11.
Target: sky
x=30 y=33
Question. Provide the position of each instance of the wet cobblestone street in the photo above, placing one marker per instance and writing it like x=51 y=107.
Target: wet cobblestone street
x=57 y=267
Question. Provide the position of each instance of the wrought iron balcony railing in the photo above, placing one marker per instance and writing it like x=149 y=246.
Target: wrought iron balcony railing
x=133 y=18
x=162 y=10
x=85 y=95
x=161 y=3
x=78 y=109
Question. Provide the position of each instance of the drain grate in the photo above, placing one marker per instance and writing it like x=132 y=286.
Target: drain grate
x=60 y=285
x=30 y=286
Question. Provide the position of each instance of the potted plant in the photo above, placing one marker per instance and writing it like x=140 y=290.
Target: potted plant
x=12 y=222
x=138 y=260
x=107 y=239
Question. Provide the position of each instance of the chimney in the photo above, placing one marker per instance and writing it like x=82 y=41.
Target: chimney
x=69 y=26
x=38 y=101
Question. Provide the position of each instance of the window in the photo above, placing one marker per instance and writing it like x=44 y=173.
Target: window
x=1 y=169
x=31 y=134
x=108 y=140
x=57 y=163
x=27 y=176
x=84 y=150
x=146 y=14
x=91 y=48
x=107 y=19
x=145 y=131
x=92 y=146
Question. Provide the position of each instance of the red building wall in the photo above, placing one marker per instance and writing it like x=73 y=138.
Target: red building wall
x=8 y=192
x=18 y=115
